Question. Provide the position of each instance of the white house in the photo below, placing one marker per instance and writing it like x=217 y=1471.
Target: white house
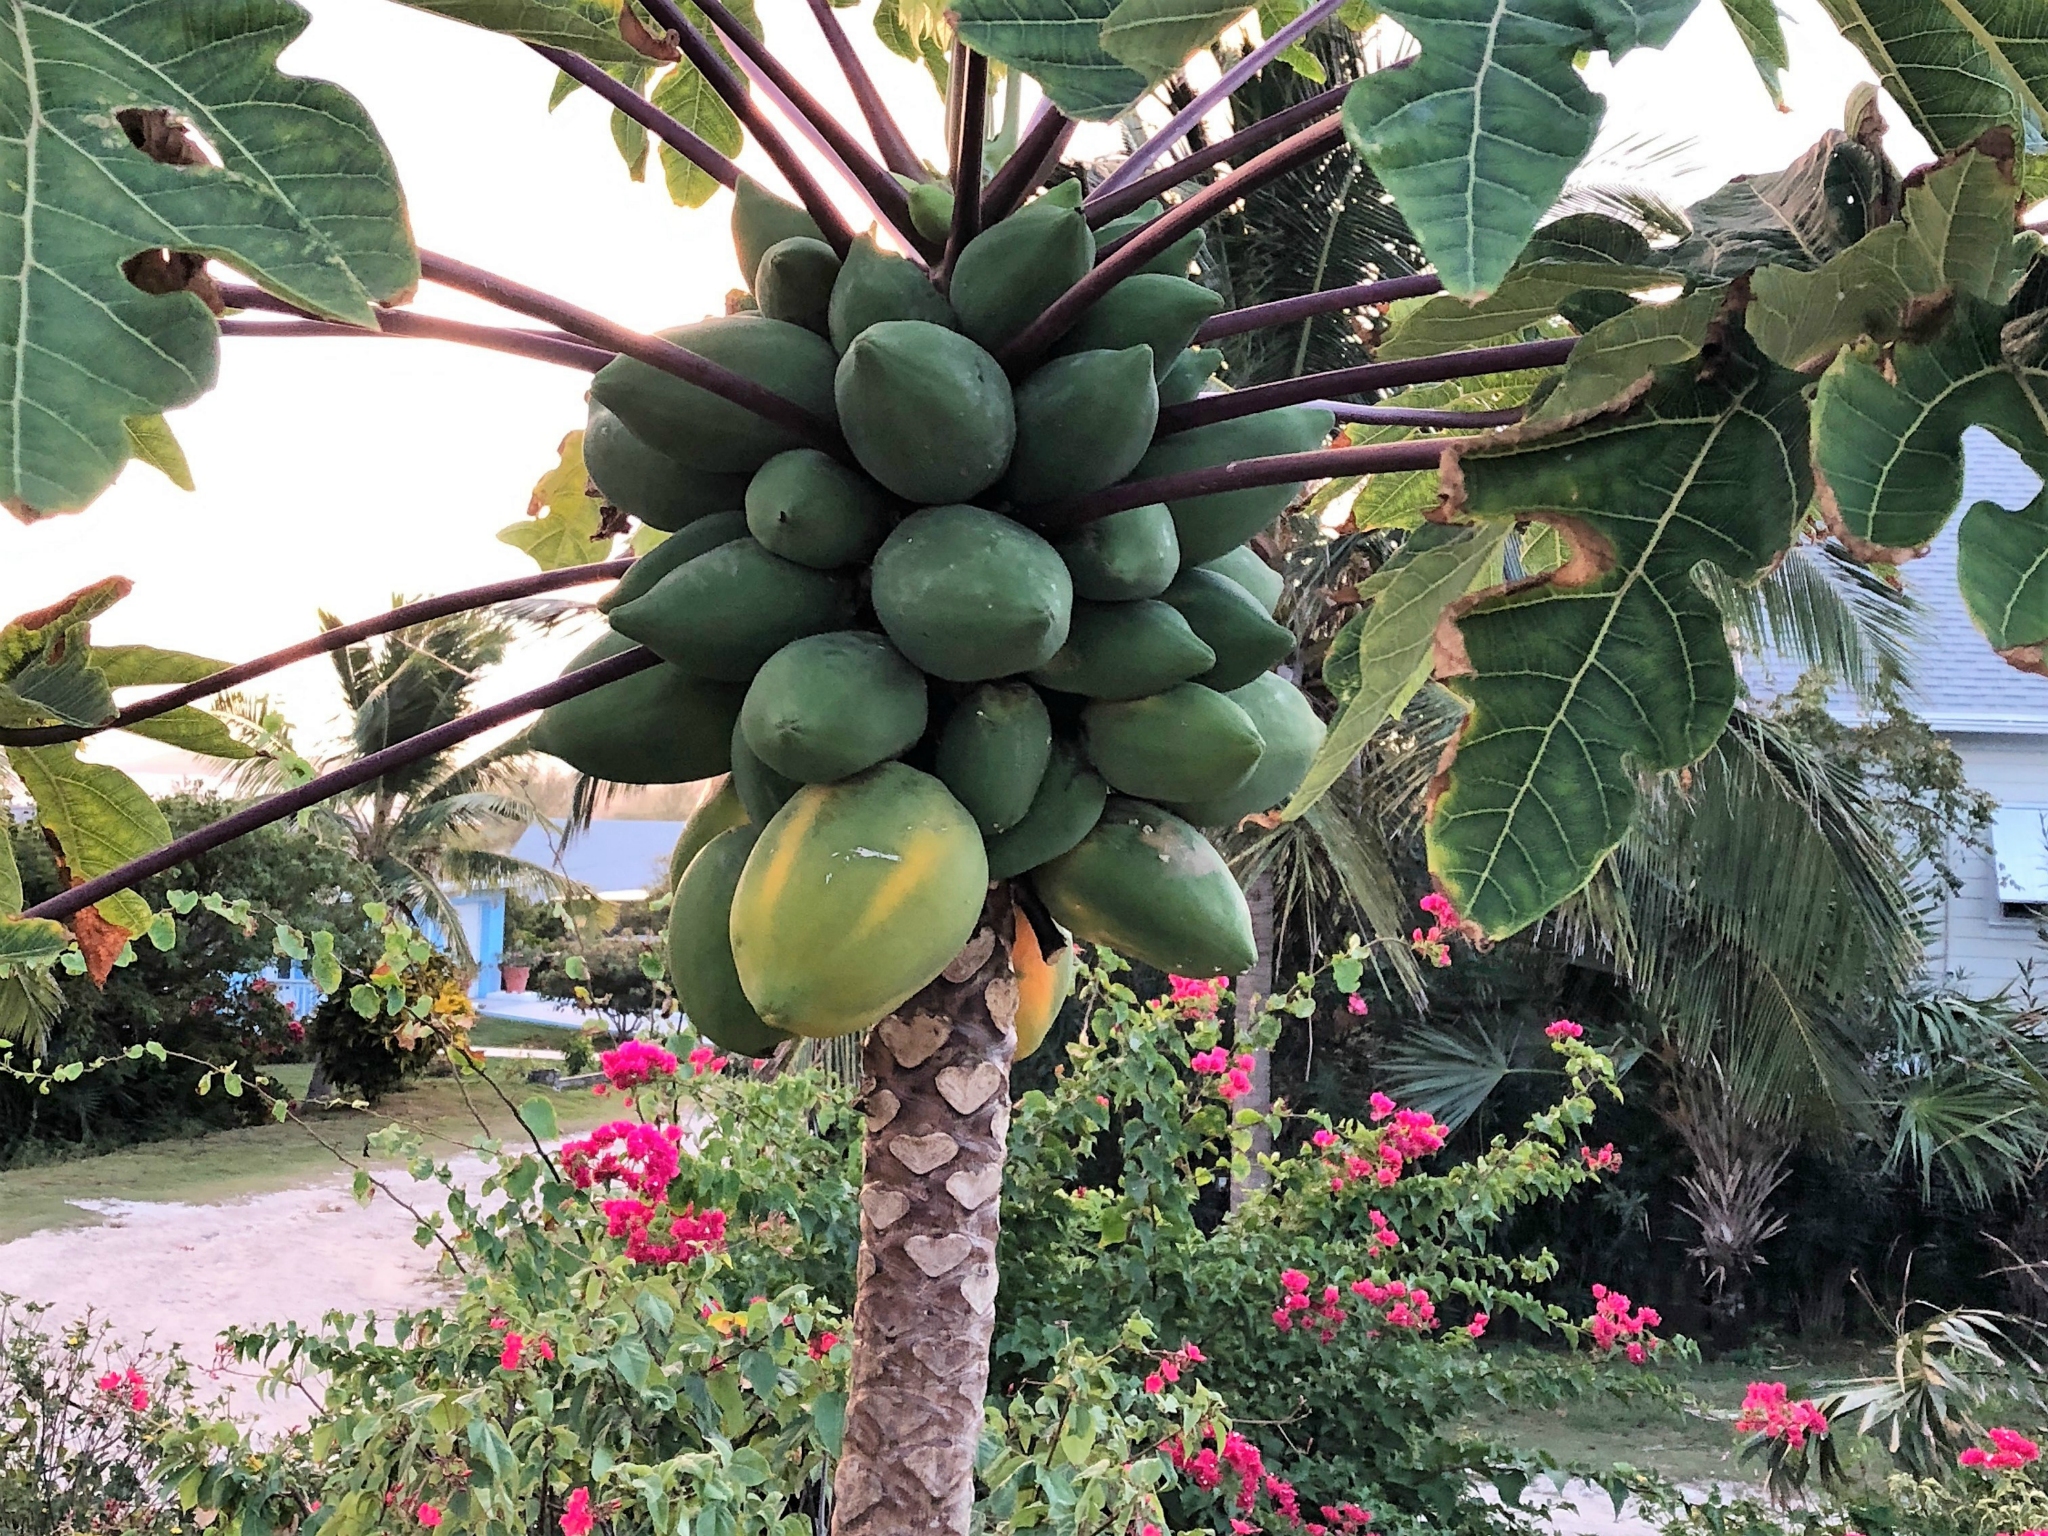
x=1997 y=719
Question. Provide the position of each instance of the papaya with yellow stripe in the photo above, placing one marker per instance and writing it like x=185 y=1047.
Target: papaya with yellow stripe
x=1044 y=983
x=855 y=896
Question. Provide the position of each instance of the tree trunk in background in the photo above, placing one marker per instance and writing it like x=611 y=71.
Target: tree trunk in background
x=1251 y=989
x=937 y=1099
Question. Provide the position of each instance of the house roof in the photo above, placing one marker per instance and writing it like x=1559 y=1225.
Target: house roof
x=620 y=860
x=1960 y=685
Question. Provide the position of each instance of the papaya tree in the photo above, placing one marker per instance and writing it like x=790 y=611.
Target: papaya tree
x=957 y=575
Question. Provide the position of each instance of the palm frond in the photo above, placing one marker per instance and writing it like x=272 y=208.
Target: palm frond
x=1451 y=1072
x=1819 y=609
x=482 y=868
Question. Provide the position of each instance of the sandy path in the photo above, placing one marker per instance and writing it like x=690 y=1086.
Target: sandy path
x=182 y=1273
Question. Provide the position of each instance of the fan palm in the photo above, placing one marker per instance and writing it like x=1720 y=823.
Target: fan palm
x=436 y=822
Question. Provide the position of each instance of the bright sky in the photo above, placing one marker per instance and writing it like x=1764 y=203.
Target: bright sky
x=333 y=473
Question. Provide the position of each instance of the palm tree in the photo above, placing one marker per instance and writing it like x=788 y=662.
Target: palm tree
x=437 y=822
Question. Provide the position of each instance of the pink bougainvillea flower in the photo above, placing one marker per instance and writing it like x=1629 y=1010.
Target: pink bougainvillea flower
x=704 y=1059
x=821 y=1344
x=1197 y=992
x=637 y=1063
x=1356 y=1004
x=1565 y=1029
x=508 y=1357
x=577 y=1519
x=1324 y=1138
x=1477 y=1327
x=111 y=1382
x=644 y=1158
x=429 y=1515
x=1767 y=1411
x=1155 y=1383
x=1605 y=1160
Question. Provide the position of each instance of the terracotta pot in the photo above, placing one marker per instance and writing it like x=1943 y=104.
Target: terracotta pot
x=515 y=977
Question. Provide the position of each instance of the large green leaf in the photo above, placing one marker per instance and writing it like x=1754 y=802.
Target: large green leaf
x=10 y=877
x=305 y=201
x=1941 y=62
x=1155 y=37
x=140 y=666
x=1616 y=662
x=1530 y=294
x=563 y=520
x=685 y=95
x=1956 y=237
x=31 y=941
x=196 y=731
x=1058 y=43
x=1806 y=214
x=1888 y=427
x=2002 y=569
x=98 y=816
x=47 y=673
x=1476 y=137
x=588 y=27
x=1762 y=32
x=1397 y=642
x=1618 y=354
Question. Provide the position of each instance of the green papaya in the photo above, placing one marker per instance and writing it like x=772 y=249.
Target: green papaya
x=674 y=552
x=876 y=285
x=794 y=282
x=1083 y=422
x=1009 y=273
x=761 y=790
x=1069 y=799
x=660 y=726
x=720 y=813
x=700 y=963
x=968 y=594
x=1188 y=743
x=760 y=219
x=1150 y=887
x=1174 y=261
x=808 y=507
x=931 y=209
x=1293 y=734
x=708 y=431
x=646 y=483
x=992 y=752
x=827 y=706
x=731 y=608
x=1232 y=624
x=925 y=410
x=1060 y=197
x=1243 y=566
x=857 y=894
x=1150 y=309
x=1184 y=378
x=1044 y=983
x=1125 y=651
x=1210 y=526
x=1124 y=555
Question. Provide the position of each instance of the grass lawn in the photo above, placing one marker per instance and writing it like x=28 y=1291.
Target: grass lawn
x=227 y=1164
x=514 y=1032
x=1692 y=1442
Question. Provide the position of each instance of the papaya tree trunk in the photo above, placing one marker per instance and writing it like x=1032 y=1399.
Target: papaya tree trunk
x=937 y=1099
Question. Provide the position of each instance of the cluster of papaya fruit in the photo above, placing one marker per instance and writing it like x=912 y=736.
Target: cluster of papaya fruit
x=914 y=691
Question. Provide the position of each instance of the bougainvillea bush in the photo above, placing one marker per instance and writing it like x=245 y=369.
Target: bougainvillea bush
x=651 y=1320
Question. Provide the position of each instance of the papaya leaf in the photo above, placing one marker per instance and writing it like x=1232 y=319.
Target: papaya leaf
x=10 y=875
x=31 y=941
x=304 y=200
x=30 y=636
x=588 y=27
x=1476 y=137
x=1397 y=642
x=563 y=520
x=63 y=685
x=1956 y=237
x=123 y=911
x=1888 y=426
x=2002 y=570
x=1530 y=294
x=1762 y=32
x=629 y=138
x=1616 y=663
x=1618 y=354
x=1058 y=43
x=135 y=666
x=1155 y=37
x=151 y=440
x=1589 y=237
x=1954 y=66
x=685 y=95
x=98 y=817
x=196 y=731
x=1803 y=216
